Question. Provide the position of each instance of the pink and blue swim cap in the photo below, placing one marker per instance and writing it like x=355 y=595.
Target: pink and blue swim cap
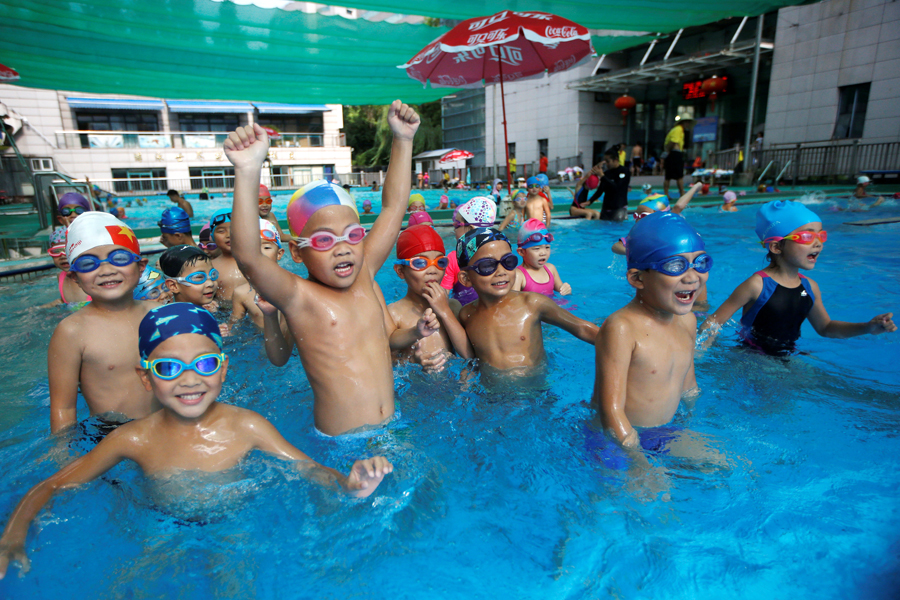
x=658 y=236
x=779 y=218
x=656 y=202
x=170 y=320
x=530 y=227
x=314 y=196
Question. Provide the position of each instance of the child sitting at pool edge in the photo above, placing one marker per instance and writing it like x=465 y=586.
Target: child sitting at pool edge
x=645 y=350
x=534 y=248
x=337 y=315
x=777 y=299
x=95 y=349
x=181 y=364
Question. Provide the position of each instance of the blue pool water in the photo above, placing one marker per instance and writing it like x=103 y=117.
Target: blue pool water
x=494 y=494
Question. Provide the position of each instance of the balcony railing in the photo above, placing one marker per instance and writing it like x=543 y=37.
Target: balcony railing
x=190 y=140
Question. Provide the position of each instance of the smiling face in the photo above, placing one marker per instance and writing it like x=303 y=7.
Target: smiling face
x=536 y=256
x=339 y=266
x=193 y=293
x=265 y=206
x=109 y=282
x=222 y=237
x=416 y=280
x=495 y=285
x=673 y=294
x=190 y=394
x=795 y=254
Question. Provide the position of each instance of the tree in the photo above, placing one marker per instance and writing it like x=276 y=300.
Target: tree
x=368 y=133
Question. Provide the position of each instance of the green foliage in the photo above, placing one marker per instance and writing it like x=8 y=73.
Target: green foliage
x=368 y=133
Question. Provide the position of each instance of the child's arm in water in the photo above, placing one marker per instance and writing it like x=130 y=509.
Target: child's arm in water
x=826 y=327
x=745 y=294
x=279 y=341
x=382 y=238
x=618 y=248
x=688 y=195
x=440 y=303
x=364 y=476
x=564 y=289
x=614 y=347
x=63 y=369
x=86 y=468
x=551 y=313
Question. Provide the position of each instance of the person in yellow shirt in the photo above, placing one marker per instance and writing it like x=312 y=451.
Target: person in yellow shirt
x=674 y=145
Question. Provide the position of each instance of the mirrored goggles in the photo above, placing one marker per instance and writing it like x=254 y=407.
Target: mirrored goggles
x=117 y=258
x=219 y=219
x=57 y=251
x=420 y=263
x=536 y=237
x=171 y=368
x=488 y=266
x=676 y=265
x=68 y=211
x=804 y=237
x=197 y=277
x=324 y=240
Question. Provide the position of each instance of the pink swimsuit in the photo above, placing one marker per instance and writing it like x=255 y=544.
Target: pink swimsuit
x=541 y=288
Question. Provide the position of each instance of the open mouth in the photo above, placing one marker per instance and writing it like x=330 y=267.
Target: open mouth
x=191 y=399
x=503 y=284
x=686 y=296
x=812 y=256
x=209 y=295
x=344 y=269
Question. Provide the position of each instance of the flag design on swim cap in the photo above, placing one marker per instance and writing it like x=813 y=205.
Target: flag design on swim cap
x=170 y=320
x=312 y=197
x=96 y=228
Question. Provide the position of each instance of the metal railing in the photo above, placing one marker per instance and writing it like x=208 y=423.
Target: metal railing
x=817 y=160
x=182 y=140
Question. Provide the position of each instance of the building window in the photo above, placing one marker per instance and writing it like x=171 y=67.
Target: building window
x=139 y=180
x=512 y=150
x=41 y=164
x=204 y=123
x=298 y=131
x=214 y=178
x=543 y=147
x=117 y=121
x=852 y=105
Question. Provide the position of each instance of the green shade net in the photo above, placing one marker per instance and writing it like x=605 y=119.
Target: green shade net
x=210 y=50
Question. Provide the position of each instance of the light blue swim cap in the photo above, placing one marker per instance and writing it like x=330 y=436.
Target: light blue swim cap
x=175 y=220
x=222 y=215
x=660 y=235
x=543 y=179
x=780 y=217
x=532 y=181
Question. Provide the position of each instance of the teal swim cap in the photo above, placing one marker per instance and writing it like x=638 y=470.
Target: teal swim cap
x=660 y=235
x=779 y=218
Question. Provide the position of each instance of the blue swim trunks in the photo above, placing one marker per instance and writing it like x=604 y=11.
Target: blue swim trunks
x=600 y=446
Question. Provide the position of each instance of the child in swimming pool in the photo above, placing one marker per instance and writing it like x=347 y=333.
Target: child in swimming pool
x=645 y=350
x=504 y=326
x=480 y=211
x=244 y=300
x=182 y=364
x=175 y=228
x=265 y=209
x=70 y=293
x=206 y=244
x=516 y=216
x=729 y=201
x=338 y=315
x=70 y=205
x=535 y=274
x=536 y=205
x=658 y=202
x=776 y=300
x=416 y=203
x=230 y=275
x=95 y=349
x=421 y=262
x=545 y=188
x=191 y=278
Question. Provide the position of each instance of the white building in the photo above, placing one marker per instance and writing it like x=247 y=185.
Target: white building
x=131 y=145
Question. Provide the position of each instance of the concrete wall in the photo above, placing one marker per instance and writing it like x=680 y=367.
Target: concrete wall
x=823 y=46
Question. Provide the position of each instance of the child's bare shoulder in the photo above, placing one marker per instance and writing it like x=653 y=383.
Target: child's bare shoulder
x=624 y=321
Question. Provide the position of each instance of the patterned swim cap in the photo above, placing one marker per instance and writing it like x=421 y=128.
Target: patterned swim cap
x=469 y=244
x=170 y=320
x=311 y=198
x=479 y=211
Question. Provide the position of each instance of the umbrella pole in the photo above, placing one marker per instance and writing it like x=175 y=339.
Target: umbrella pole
x=505 y=138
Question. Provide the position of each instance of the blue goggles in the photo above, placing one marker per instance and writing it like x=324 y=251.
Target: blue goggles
x=676 y=265
x=117 y=258
x=197 y=277
x=171 y=368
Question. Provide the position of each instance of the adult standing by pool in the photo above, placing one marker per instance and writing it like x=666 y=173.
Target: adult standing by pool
x=637 y=159
x=674 y=166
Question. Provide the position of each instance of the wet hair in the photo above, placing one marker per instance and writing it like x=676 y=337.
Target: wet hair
x=176 y=258
x=172 y=193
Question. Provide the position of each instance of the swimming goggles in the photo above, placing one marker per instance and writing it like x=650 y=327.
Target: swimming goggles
x=324 y=240
x=270 y=236
x=57 y=251
x=804 y=237
x=457 y=224
x=219 y=219
x=420 y=263
x=117 y=258
x=676 y=265
x=488 y=266
x=208 y=246
x=640 y=215
x=534 y=185
x=171 y=368
x=265 y=201
x=536 y=237
x=197 y=277
x=68 y=210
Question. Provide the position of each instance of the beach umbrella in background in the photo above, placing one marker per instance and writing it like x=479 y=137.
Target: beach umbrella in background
x=456 y=155
x=7 y=75
x=507 y=46
x=272 y=133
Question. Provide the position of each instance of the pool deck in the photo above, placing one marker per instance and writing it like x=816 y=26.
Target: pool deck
x=21 y=224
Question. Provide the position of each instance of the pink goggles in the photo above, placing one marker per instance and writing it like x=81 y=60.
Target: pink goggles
x=324 y=240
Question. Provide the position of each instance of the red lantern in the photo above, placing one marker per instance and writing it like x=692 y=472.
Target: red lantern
x=711 y=86
x=624 y=103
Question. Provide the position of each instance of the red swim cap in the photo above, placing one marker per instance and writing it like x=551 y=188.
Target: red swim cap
x=264 y=192
x=418 y=239
x=592 y=182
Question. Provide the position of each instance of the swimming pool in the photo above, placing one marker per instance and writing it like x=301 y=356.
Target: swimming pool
x=494 y=494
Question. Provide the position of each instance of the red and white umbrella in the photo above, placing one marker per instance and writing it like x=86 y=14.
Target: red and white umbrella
x=507 y=46
x=7 y=74
x=456 y=155
x=273 y=135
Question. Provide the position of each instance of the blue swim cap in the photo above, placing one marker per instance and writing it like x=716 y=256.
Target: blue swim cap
x=170 y=320
x=660 y=235
x=223 y=214
x=469 y=244
x=780 y=217
x=150 y=285
x=656 y=202
x=532 y=181
x=543 y=179
x=175 y=220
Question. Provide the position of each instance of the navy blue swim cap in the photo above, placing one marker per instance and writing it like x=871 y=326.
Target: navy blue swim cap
x=170 y=320
x=660 y=235
x=469 y=244
x=175 y=220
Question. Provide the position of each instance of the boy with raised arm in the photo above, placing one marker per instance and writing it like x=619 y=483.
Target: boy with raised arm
x=504 y=326
x=95 y=349
x=337 y=316
x=182 y=364
x=645 y=350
